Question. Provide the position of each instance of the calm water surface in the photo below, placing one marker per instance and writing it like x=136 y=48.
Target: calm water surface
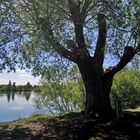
x=14 y=106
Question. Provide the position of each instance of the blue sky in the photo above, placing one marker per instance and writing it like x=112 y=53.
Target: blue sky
x=21 y=77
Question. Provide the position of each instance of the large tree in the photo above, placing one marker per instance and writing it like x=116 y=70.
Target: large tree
x=85 y=32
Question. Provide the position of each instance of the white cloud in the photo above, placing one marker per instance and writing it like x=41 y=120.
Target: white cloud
x=16 y=108
x=21 y=77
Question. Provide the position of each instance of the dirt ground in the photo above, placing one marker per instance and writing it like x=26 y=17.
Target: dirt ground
x=72 y=126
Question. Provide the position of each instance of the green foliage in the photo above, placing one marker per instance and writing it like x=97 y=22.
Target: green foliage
x=35 y=32
x=7 y=26
x=13 y=87
x=28 y=86
x=60 y=98
x=61 y=95
x=126 y=87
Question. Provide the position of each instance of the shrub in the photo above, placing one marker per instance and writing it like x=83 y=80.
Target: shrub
x=126 y=87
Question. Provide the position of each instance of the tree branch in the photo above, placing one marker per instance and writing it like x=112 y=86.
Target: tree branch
x=49 y=35
x=128 y=55
x=100 y=46
x=78 y=20
x=86 y=4
x=72 y=45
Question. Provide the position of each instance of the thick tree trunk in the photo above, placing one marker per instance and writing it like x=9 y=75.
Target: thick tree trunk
x=97 y=86
x=98 y=82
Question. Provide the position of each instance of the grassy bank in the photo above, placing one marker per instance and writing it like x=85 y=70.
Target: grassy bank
x=134 y=110
x=72 y=126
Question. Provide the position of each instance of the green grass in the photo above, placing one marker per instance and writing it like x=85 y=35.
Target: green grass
x=134 y=110
x=33 y=118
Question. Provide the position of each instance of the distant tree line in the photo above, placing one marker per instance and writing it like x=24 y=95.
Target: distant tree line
x=13 y=87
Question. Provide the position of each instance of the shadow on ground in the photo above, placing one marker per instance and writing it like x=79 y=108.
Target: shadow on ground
x=73 y=126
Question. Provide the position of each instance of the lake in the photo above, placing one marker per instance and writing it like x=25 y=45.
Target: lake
x=16 y=105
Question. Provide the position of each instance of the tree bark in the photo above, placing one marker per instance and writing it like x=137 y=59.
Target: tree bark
x=97 y=85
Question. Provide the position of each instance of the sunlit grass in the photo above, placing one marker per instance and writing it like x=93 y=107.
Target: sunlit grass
x=134 y=110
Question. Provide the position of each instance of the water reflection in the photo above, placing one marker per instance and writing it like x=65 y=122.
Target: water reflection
x=16 y=105
x=11 y=95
